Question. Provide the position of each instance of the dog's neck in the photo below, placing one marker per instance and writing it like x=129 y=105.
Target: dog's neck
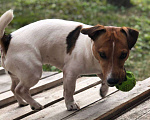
x=96 y=63
x=91 y=64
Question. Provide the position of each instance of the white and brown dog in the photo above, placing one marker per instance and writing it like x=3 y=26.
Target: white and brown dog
x=73 y=47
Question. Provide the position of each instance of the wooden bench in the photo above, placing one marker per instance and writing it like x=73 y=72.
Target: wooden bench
x=49 y=93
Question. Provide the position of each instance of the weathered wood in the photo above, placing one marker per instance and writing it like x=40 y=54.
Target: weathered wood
x=87 y=96
x=47 y=74
x=46 y=98
x=58 y=111
x=2 y=71
x=114 y=104
x=8 y=97
x=137 y=112
x=145 y=117
x=47 y=83
x=5 y=80
x=5 y=83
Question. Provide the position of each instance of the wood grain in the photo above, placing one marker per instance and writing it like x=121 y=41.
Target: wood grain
x=137 y=112
x=46 y=98
x=58 y=111
x=52 y=81
x=5 y=80
x=114 y=104
x=2 y=71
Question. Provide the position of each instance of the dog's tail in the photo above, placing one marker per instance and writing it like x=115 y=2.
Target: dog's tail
x=5 y=19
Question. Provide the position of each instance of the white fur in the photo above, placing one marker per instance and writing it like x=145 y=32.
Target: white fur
x=5 y=19
x=44 y=42
x=112 y=64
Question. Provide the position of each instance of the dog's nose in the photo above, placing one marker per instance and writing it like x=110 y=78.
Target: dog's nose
x=112 y=82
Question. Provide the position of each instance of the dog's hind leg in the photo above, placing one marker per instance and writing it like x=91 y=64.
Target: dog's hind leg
x=15 y=82
x=27 y=81
x=24 y=92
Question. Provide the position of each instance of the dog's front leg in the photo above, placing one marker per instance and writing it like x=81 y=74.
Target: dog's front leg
x=69 y=82
x=104 y=87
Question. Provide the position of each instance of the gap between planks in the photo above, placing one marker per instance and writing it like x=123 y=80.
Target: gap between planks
x=110 y=106
x=114 y=104
x=136 y=113
x=47 y=98
x=5 y=81
x=58 y=111
x=7 y=98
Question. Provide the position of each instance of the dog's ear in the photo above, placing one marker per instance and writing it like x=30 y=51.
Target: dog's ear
x=131 y=34
x=94 y=32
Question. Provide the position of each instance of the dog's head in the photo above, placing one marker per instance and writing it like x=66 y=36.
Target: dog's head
x=111 y=48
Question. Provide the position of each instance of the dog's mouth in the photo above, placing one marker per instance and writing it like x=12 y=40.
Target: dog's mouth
x=111 y=82
x=110 y=85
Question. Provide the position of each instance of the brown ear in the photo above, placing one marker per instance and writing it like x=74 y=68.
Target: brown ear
x=94 y=32
x=132 y=36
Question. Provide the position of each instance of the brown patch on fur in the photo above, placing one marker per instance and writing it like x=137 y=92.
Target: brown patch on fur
x=131 y=35
x=72 y=38
x=104 y=44
x=110 y=44
x=94 y=32
x=5 y=41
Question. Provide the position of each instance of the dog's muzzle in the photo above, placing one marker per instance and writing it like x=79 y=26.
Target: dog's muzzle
x=113 y=81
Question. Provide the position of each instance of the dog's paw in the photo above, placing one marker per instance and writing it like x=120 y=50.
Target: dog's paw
x=72 y=106
x=103 y=91
x=37 y=107
x=23 y=104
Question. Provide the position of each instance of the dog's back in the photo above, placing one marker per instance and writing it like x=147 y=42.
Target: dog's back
x=46 y=39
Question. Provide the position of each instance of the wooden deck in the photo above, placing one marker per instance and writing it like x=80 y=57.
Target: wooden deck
x=49 y=93
x=140 y=112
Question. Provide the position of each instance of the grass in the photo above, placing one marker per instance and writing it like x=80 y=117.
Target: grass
x=90 y=12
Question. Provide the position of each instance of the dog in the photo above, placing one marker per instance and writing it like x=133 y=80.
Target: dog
x=73 y=47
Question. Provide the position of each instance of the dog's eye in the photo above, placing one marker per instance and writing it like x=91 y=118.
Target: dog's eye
x=102 y=55
x=123 y=55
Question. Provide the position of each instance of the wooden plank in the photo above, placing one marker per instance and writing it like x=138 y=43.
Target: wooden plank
x=137 y=112
x=58 y=111
x=5 y=81
x=8 y=97
x=145 y=117
x=114 y=104
x=46 y=98
x=44 y=74
x=47 y=74
x=2 y=71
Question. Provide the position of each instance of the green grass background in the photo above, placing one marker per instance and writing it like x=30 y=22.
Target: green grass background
x=90 y=12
